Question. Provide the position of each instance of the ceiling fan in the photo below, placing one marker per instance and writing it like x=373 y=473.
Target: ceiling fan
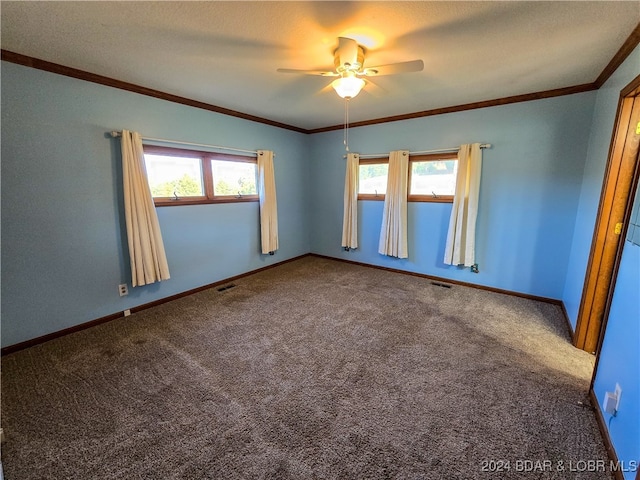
x=349 y=66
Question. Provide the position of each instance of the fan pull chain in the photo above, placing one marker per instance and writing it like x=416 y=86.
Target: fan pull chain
x=346 y=124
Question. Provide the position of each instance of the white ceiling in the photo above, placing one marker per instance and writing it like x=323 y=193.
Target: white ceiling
x=227 y=53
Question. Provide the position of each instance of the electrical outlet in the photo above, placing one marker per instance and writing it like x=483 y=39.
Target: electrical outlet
x=127 y=313
x=123 y=289
x=618 y=394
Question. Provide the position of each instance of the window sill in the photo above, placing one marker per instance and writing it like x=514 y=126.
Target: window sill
x=412 y=198
x=204 y=201
x=431 y=198
x=370 y=196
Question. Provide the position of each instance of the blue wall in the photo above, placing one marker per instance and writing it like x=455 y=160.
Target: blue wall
x=63 y=243
x=531 y=180
x=620 y=359
x=620 y=356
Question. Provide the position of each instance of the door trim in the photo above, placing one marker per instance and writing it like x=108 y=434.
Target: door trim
x=633 y=89
x=620 y=176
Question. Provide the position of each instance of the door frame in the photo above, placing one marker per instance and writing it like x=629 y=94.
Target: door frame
x=621 y=175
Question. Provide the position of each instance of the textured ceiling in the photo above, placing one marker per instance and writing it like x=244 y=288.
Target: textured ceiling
x=227 y=53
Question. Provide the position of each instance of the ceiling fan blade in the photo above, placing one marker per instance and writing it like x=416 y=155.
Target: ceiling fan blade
x=393 y=68
x=327 y=88
x=322 y=73
x=347 y=51
x=374 y=89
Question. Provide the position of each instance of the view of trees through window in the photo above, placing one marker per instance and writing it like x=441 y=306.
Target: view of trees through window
x=186 y=186
x=433 y=177
x=174 y=176
x=233 y=178
x=373 y=178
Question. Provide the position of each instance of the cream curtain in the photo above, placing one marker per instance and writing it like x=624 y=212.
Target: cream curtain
x=148 y=258
x=268 y=204
x=350 y=217
x=393 y=234
x=461 y=238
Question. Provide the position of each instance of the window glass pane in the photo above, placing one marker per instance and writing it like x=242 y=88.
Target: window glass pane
x=233 y=178
x=437 y=177
x=372 y=178
x=169 y=176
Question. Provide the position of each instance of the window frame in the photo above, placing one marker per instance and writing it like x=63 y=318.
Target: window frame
x=371 y=161
x=205 y=158
x=431 y=157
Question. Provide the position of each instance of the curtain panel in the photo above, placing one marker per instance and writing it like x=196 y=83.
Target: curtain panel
x=268 y=204
x=461 y=237
x=146 y=249
x=393 y=233
x=350 y=215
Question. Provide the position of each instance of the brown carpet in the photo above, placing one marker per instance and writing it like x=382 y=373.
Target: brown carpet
x=315 y=369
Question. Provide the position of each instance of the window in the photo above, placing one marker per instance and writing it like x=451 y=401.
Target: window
x=372 y=178
x=187 y=177
x=432 y=178
x=234 y=178
x=174 y=176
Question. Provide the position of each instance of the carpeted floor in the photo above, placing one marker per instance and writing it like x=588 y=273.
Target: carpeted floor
x=315 y=369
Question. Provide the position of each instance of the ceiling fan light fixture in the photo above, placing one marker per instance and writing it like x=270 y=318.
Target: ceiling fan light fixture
x=348 y=86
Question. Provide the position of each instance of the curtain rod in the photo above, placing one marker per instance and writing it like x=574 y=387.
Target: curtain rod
x=116 y=133
x=422 y=152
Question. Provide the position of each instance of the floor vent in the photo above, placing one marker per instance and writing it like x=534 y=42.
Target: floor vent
x=438 y=284
x=226 y=287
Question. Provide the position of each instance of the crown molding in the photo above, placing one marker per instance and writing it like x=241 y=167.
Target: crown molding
x=131 y=87
x=621 y=55
x=467 y=106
